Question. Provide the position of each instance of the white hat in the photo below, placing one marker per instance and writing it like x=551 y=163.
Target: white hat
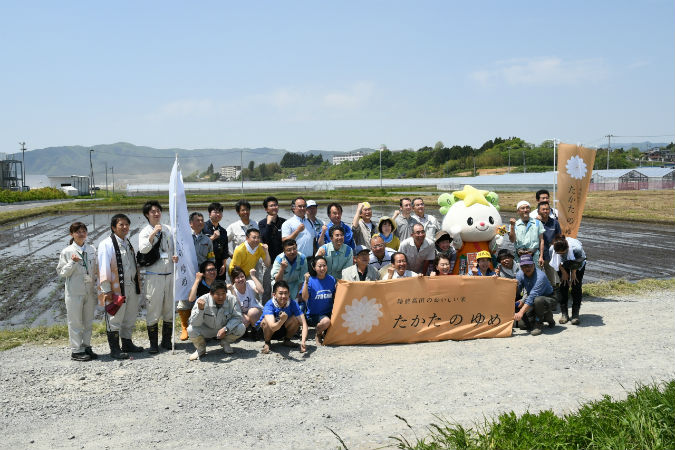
x=520 y=203
x=311 y=203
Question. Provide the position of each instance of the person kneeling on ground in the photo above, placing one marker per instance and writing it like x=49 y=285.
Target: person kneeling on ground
x=281 y=319
x=216 y=314
x=481 y=268
x=537 y=307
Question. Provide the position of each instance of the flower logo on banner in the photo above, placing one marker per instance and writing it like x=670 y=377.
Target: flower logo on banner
x=576 y=167
x=362 y=315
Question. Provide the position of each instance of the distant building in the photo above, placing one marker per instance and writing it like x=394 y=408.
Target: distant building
x=351 y=156
x=11 y=174
x=68 y=183
x=229 y=172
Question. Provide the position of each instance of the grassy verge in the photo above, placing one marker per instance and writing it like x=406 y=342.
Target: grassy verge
x=57 y=335
x=644 y=420
x=623 y=287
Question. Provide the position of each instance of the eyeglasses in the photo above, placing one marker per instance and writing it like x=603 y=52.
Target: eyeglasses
x=378 y=246
x=212 y=269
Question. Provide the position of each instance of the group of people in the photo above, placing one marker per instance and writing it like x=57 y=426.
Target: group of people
x=277 y=277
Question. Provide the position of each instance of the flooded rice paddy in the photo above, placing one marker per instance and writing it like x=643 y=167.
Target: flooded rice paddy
x=32 y=294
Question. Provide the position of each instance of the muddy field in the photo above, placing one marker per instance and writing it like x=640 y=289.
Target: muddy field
x=31 y=294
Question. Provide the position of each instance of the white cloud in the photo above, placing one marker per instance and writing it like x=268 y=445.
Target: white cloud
x=542 y=71
x=295 y=103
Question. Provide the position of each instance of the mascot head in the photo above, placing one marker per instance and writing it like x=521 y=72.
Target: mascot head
x=471 y=213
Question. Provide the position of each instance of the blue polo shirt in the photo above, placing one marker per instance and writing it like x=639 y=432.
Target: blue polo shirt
x=292 y=309
x=535 y=286
x=551 y=230
x=321 y=293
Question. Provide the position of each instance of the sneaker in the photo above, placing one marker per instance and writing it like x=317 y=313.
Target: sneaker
x=227 y=348
x=196 y=355
x=80 y=356
x=575 y=320
x=536 y=331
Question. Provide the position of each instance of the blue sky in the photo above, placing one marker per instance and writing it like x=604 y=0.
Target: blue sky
x=334 y=75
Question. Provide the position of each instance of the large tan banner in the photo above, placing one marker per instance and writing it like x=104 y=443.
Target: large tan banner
x=421 y=309
x=575 y=167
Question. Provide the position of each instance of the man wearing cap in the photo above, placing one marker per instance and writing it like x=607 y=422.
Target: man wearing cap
x=317 y=224
x=363 y=227
x=538 y=304
x=380 y=254
x=419 y=250
x=527 y=234
x=361 y=270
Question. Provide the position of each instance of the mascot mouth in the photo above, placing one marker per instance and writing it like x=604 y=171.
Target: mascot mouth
x=482 y=228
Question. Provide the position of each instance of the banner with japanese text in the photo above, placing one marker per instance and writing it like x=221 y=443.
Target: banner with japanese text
x=575 y=167
x=420 y=309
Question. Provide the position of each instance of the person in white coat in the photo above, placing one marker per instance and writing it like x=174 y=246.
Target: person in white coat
x=77 y=264
x=216 y=314
x=118 y=275
x=155 y=244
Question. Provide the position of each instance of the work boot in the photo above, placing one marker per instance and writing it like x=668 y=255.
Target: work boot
x=153 y=331
x=129 y=347
x=227 y=348
x=200 y=346
x=564 y=317
x=184 y=318
x=167 y=334
x=80 y=356
x=575 y=313
x=90 y=352
x=114 y=343
x=548 y=318
x=536 y=330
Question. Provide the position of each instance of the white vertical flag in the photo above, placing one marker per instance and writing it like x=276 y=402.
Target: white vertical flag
x=186 y=267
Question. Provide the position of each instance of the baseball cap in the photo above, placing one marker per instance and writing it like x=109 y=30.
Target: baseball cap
x=311 y=203
x=526 y=260
x=360 y=249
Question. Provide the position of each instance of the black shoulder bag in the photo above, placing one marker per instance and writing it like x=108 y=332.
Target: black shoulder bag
x=148 y=259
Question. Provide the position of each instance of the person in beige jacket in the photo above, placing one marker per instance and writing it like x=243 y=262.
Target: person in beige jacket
x=77 y=264
x=216 y=314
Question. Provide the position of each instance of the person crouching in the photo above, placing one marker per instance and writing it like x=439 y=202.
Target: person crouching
x=216 y=314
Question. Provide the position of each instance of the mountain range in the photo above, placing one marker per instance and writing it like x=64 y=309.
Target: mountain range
x=132 y=163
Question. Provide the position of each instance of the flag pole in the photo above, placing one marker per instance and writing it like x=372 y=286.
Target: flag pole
x=555 y=175
x=173 y=285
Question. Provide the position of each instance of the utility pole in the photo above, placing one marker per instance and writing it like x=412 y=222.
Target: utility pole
x=509 y=159
x=474 y=161
x=106 y=179
x=524 y=166
x=609 y=146
x=91 y=175
x=112 y=171
x=555 y=175
x=241 y=171
x=23 y=166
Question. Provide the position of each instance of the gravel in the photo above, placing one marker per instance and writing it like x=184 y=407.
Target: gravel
x=287 y=400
